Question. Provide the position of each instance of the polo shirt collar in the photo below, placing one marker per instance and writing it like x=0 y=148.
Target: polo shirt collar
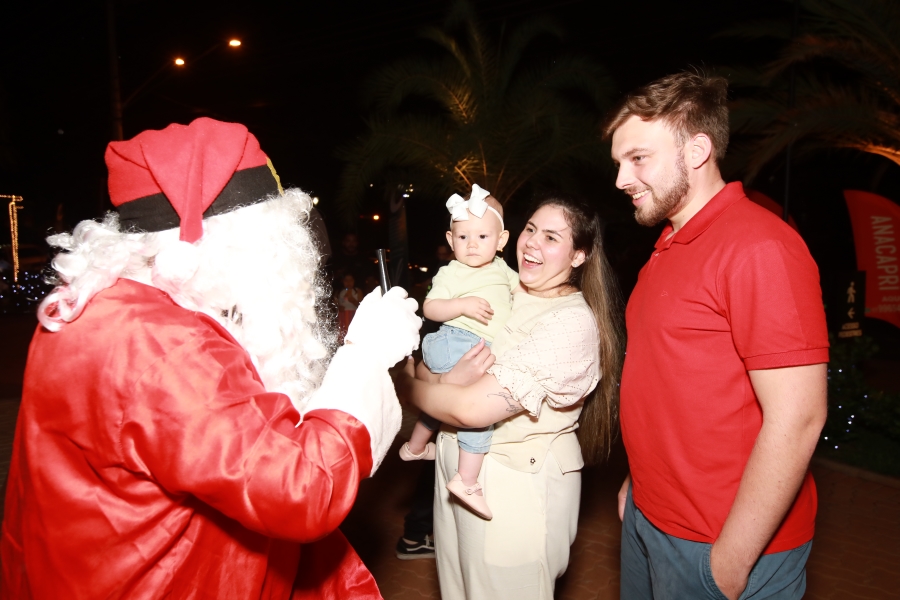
x=700 y=222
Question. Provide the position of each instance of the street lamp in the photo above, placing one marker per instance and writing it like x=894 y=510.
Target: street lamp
x=118 y=106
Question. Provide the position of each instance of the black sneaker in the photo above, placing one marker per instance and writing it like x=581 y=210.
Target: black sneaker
x=413 y=549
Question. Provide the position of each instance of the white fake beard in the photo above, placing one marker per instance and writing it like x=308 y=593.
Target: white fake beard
x=256 y=271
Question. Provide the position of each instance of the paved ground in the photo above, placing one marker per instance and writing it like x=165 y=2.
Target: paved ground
x=856 y=554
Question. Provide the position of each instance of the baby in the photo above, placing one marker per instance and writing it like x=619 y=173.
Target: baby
x=472 y=297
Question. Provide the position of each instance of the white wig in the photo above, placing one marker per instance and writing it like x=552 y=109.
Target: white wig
x=255 y=270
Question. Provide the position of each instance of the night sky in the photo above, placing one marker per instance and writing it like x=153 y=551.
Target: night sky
x=295 y=83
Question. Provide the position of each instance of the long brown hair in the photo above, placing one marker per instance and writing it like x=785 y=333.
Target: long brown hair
x=598 y=423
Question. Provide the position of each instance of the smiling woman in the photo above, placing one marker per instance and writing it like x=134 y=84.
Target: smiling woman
x=546 y=254
x=562 y=339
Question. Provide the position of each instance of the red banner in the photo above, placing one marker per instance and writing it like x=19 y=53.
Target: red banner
x=768 y=203
x=876 y=223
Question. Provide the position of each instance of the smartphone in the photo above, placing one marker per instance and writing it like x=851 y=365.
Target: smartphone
x=383 y=275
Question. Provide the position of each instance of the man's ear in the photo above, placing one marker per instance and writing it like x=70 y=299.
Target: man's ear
x=699 y=150
x=578 y=259
x=450 y=239
x=501 y=242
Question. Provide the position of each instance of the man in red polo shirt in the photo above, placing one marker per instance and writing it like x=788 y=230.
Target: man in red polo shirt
x=723 y=393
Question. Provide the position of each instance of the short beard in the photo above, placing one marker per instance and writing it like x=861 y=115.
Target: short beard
x=669 y=200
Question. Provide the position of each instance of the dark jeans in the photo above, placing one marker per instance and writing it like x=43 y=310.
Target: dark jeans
x=419 y=521
x=659 y=566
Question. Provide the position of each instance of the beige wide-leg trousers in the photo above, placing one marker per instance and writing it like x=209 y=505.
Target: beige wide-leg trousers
x=521 y=552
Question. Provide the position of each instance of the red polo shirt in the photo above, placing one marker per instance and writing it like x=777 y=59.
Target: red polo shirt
x=734 y=290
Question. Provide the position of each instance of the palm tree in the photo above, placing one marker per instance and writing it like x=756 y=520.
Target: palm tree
x=477 y=110
x=846 y=90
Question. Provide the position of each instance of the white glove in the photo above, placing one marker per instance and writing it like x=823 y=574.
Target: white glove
x=387 y=326
x=384 y=330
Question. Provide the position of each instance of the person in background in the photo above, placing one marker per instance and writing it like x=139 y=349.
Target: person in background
x=348 y=300
x=319 y=232
x=417 y=540
x=350 y=258
x=724 y=387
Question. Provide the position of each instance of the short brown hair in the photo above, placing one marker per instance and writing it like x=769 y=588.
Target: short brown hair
x=688 y=102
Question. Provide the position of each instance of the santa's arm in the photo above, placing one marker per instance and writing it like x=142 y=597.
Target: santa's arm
x=357 y=384
x=212 y=432
x=305 y=489
x=383 y=332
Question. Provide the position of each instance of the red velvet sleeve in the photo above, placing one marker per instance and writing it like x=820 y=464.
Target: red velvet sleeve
x=206 y=427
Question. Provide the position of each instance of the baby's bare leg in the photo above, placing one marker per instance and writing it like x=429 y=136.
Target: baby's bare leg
x=424 y=374
x=421 y=435
x=469 y=467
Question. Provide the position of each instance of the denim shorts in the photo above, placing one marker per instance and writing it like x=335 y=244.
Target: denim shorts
x=658 y=566
x=441 y=350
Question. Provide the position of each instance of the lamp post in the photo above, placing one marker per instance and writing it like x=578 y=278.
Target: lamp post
x=118 y=106
x=114 y=84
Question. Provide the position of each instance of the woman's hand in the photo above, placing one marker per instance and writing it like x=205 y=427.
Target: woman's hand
x=471 y=366
x=386 y=326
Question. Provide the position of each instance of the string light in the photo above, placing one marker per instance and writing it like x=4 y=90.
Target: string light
x=24 y=295
x=25 y=289
x=14 y=208
x=856 y=410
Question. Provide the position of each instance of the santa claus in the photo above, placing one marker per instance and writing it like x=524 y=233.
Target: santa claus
x=187 y=429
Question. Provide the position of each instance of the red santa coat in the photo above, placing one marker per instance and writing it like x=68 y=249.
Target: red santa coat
x=150 y=462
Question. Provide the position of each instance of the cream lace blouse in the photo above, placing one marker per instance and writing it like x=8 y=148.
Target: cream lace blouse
x=549 y=353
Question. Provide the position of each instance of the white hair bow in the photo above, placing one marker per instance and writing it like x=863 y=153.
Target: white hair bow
x=460 y=209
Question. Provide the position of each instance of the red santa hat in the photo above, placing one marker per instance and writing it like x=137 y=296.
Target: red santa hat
x=177 y=176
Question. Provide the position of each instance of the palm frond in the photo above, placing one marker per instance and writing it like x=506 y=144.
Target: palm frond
x=493 y=116
x=758 y=30
x=834 y=117
x=426 y=78
x=519 y=40
x=856 y=105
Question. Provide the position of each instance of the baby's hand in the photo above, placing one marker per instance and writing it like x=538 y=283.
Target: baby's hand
x=476 y=308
